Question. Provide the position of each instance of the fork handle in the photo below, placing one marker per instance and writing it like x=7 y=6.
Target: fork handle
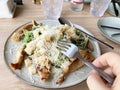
x=104 y=75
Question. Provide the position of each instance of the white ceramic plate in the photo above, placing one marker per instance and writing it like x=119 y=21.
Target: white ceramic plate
x=108 y=32
x=111 y=9
x=72 y=79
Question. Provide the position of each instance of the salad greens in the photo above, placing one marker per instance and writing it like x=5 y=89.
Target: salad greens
x=61 y=59
x=35 y=27
x=82 y=41
x=28 y=36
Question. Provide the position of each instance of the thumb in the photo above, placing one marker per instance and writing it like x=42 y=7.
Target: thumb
x=95 y=82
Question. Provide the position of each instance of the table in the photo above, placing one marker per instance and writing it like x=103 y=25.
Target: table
x=30 y=11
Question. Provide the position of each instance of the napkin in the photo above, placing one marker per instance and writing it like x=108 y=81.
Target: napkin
x=7 y=8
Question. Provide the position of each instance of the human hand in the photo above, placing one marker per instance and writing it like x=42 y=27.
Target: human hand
x=112 y=62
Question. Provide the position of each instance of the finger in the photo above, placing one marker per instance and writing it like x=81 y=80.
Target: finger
x=95 y=82
x=109 y=59
x=116 y=84
x=109 y=71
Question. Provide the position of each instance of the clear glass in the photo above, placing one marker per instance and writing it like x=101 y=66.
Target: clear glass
x=98 y=7
x=52 y=8
x=77 y=5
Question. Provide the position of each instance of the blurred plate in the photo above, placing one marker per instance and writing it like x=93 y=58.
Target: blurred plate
x=112 y=34
x=72 y=79
x=111 y=9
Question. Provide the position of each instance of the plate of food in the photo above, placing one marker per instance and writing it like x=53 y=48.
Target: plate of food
x=30 y=53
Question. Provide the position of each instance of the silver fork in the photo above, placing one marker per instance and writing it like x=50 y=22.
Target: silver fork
x=72 y=51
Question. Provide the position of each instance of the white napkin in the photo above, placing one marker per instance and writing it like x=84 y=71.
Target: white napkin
x=7 y=8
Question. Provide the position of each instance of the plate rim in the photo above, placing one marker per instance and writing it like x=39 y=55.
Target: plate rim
x=29 y=83
x=102 y=31
x=113 y=12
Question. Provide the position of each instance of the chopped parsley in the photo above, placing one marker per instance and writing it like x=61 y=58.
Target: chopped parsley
x=60 y=60
x=28 y=36
x=35 y=27
x=81 y=42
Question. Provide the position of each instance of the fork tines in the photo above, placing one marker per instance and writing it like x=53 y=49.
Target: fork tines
x=63 y=45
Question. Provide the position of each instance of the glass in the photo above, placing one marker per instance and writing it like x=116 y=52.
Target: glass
x=52 y=8
x=98 y=7
x=77 y=5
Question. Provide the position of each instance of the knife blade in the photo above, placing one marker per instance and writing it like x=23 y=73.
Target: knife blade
x=105 y=26
x=115 y=8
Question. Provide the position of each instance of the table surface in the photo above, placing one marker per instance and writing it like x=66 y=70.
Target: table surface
x=30 y=11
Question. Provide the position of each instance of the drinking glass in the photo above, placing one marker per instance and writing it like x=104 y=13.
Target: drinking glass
x=52 y=8
x=98 y=7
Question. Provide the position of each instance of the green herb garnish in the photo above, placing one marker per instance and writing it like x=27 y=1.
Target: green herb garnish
x=35 y=27
x=28 y=36
x=60 y=60
x=81 y=42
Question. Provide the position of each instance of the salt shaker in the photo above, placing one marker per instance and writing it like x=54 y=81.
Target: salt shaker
x=77 y=5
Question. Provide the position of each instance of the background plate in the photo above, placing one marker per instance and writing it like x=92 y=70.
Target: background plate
x=111 y=9
x=108 y=32
x=72 y=79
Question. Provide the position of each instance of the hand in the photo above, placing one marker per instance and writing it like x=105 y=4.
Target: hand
x=112 y=62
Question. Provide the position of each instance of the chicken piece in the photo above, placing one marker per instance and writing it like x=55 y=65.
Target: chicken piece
x=48 y=64
x=34 y=22
x=59 y=35
x=44 y=71
x=37 y=1
x=76 y=64
x=20 y=59
x=63 y=75
x=87 y=55
x=48 y=38
x=71 y=34
x=64 y=28
x=16 y=37
x=27 y=27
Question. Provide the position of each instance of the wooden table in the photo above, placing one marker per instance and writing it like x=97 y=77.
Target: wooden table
x=30 y=11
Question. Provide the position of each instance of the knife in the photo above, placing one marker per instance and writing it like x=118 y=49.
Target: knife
x=105 y=26
x=64 y=21
x=115 y=8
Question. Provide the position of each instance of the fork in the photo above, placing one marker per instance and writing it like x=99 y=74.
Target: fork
x=72 y=51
